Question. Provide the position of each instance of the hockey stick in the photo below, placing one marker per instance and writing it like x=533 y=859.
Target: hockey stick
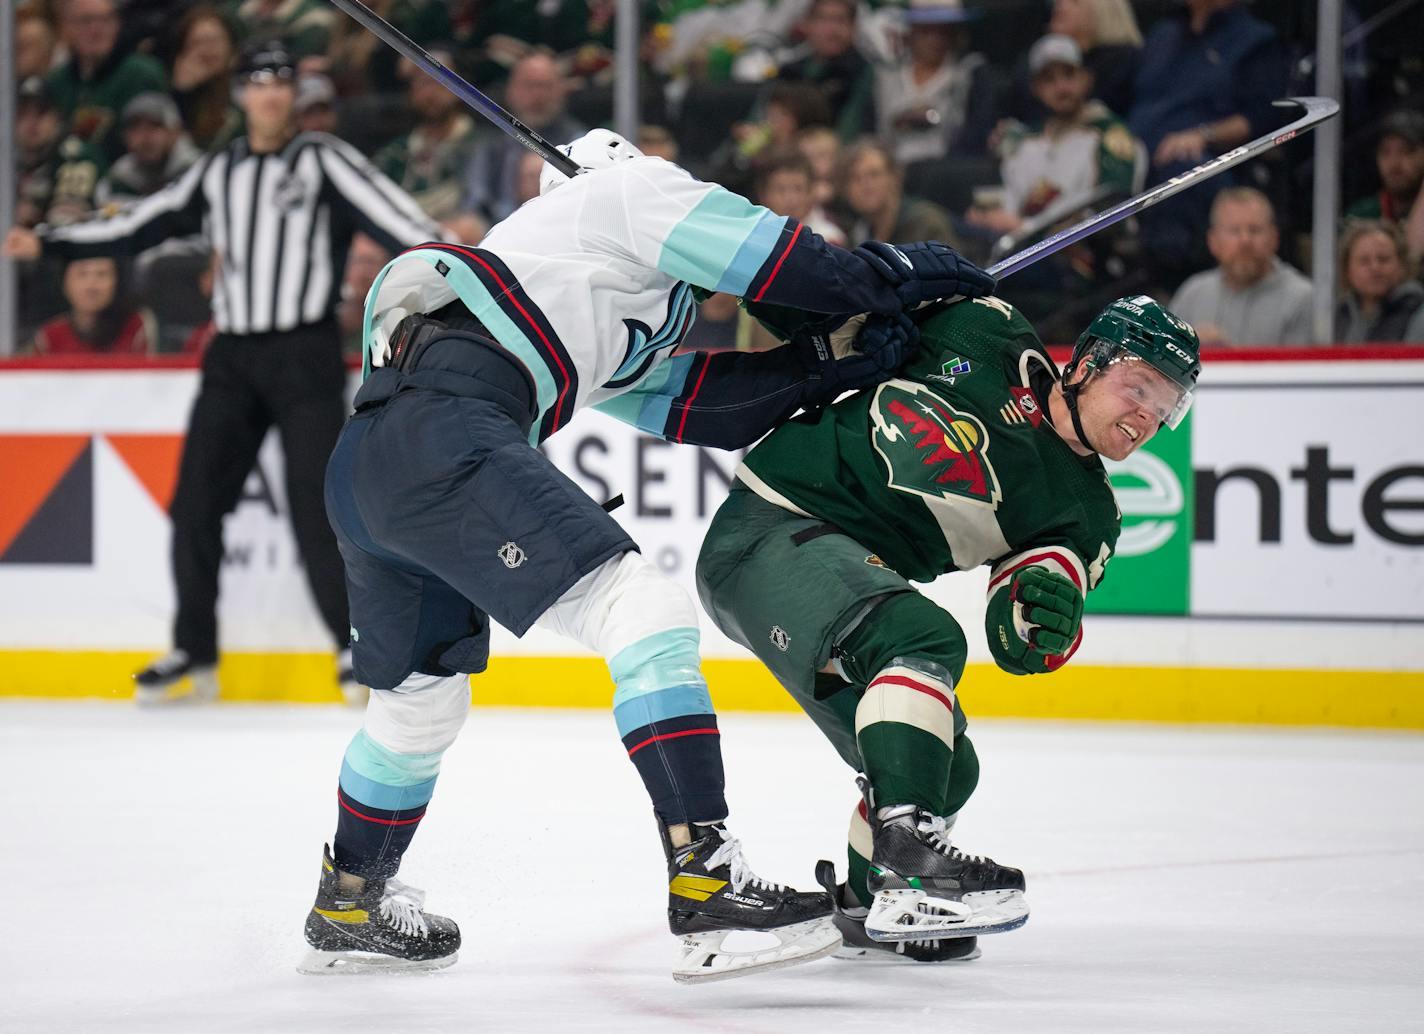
x=407 y=47
x=1317 y=110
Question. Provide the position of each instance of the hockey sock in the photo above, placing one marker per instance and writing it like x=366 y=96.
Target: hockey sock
x=382 y=798
x=860 y=846
x=905 y=726
x=669 y=729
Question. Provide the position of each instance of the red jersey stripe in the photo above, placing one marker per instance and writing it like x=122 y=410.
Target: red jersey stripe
x=901 y=680
x=671 y=736
x=504 y=288
x=777 y=268
x=371 y=818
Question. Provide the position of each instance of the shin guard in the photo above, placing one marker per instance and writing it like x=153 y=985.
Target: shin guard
x=390 y=768
x=665 y=718
x=905 y=725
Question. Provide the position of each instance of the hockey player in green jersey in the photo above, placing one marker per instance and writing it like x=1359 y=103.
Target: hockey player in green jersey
x=978 y=454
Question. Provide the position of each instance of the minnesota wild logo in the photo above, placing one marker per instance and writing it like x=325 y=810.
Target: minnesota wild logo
x=931 y=448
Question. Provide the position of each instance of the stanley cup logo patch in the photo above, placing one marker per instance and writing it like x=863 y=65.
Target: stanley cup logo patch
x=512 y=555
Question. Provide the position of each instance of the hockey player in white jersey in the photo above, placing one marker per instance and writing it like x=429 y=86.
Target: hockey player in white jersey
x=448 y=517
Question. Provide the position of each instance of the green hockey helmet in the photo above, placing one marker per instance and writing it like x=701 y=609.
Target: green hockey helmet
x=1138 y=328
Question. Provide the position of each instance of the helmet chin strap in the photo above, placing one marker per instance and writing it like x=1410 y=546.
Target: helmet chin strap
x=1070 y=399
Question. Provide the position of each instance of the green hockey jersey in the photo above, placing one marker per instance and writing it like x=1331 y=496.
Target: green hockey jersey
x=953 y=464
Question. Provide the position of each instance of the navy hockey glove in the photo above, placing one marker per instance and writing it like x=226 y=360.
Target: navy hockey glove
x=882 y=348
x=1033 y=622
x=872 y=349
x=926 y=270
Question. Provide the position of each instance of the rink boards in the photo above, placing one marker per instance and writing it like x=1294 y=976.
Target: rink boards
x=1271 y=567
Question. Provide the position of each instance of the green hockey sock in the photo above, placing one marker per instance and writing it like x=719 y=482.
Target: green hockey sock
x=905 y=726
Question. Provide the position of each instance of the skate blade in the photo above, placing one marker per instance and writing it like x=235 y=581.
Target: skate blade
x=354 y=963
x=879 y=957
x=704 y=961
x=915 y=915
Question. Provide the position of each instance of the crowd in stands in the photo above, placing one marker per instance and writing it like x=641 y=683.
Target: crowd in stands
x=987 y=125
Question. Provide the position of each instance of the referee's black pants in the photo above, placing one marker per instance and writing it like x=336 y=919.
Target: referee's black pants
x=295 y=380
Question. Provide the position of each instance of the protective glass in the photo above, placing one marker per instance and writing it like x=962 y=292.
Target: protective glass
x=1135 y=380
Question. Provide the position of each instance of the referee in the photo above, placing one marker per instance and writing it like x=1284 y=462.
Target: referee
x=279 y=209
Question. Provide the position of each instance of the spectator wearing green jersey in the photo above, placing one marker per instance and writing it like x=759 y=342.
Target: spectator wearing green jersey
x=428 y=161
x=92 y=87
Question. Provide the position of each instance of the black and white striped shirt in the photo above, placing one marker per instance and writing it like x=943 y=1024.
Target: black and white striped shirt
x=281 y=224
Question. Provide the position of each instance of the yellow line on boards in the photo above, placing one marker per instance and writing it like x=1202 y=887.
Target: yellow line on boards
x=1366 y=699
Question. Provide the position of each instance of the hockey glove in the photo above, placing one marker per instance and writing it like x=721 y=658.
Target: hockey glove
x=926 y=270
x=882 y=348
x=871 y=349
x=1033 y=622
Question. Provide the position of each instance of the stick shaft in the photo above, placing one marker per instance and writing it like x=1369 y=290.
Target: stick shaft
x=1317 y=110
x=403 y=44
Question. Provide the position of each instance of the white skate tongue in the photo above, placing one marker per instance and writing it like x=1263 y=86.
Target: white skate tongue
x=730 y=855
x=402 y=906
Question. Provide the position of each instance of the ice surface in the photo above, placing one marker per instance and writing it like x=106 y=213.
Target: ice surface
x=156 y=868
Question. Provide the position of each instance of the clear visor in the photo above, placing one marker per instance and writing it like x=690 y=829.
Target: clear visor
x=1137 y=382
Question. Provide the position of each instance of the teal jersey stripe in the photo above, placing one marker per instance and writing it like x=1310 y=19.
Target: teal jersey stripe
x=659 y=677
x=647 y=405
x=383 y=795
x=752 y=255
x=721 y=243
x=485 y=308
x=372 y=769
x=667 y=658
x=368 y=319
x=659 y=706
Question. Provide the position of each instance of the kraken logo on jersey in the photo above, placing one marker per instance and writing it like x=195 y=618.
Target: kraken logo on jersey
x=931 y=448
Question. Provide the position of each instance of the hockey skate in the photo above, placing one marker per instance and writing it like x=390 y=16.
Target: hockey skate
x=382 y=929
x=925 y=888
x=713 y=893
x=161 y=682
x=859 y=946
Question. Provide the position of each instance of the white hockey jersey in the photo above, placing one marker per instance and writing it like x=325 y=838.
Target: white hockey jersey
x=590 y=285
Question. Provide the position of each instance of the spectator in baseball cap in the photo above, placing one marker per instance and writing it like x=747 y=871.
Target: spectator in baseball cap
x=1399 y=157
x=158 y=151
x=316 y=104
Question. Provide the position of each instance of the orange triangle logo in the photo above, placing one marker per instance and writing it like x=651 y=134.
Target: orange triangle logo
x=30 y=466
x=153 y=459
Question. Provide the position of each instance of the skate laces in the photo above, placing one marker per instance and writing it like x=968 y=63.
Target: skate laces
x=730 y=855
x=401 y=906
x=938 y=827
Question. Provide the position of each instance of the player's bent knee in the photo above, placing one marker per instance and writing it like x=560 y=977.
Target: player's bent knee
x=622 y=602
x=421 y=716
x=907 y=625
x=915 y=692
